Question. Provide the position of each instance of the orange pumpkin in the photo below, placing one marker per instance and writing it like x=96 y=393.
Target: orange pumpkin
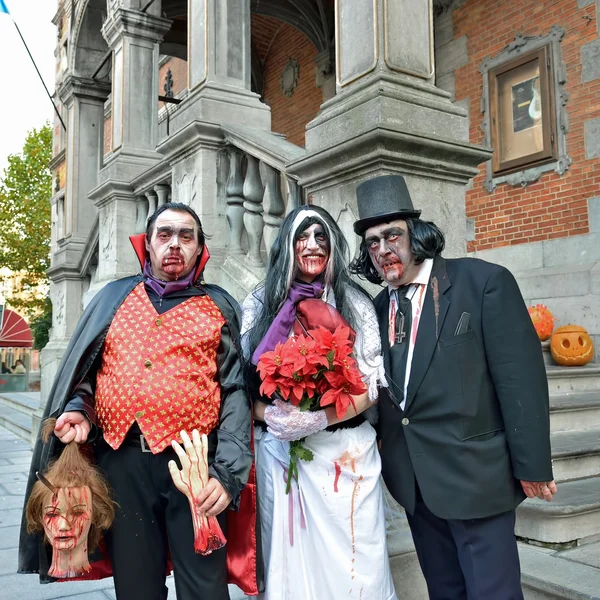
x=571 y=345
x=543 y=321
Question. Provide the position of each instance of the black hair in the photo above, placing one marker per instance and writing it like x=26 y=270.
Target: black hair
x=176 y=206
x=426 y=241
x=282 y=270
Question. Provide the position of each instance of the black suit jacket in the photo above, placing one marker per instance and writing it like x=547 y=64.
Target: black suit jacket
x=476 y=419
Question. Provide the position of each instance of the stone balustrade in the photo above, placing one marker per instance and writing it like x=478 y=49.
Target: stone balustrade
x=259 y=195
x=259 y=190
x=147 y=201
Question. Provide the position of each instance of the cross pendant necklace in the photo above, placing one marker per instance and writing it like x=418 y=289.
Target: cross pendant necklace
x=400 y=334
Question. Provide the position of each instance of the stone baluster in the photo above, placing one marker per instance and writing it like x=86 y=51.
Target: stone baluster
x=152 y=202
x=235 y=201
x=293 y=196
x=162 y=190
x=141 y=214
x=273 y=205
x=253 y=219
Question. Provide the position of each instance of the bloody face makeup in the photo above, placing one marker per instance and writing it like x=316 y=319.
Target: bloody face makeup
x=312 y=252
x=67 y=518
x=389 y=249
x=174 y=246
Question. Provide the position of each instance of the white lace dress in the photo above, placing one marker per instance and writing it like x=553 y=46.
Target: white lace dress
x=326 y=539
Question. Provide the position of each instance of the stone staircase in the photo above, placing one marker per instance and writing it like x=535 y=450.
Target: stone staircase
x=16 y=412
x=560 y=556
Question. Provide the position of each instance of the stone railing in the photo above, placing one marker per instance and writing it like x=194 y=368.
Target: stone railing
x=259 y=190
x=151 y=190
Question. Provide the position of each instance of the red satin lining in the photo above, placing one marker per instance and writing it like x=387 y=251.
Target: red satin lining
x=241 y=538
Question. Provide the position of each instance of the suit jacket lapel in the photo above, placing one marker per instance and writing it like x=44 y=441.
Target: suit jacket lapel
x=431 y=321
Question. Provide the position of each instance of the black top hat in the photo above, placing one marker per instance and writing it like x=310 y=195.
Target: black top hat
x=383 y=199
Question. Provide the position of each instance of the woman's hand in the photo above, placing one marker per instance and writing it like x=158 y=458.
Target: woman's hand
x=287 y=422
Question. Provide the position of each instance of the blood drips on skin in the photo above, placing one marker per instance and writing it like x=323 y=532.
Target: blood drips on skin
x=208 y=535
x=69 y=545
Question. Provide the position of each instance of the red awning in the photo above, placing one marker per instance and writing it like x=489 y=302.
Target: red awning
x=14 y=331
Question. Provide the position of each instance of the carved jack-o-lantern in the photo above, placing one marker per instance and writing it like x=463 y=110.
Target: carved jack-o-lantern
x=571 y=345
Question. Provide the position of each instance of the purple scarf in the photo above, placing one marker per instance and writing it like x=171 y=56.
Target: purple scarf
x=282 y=323
x=164 y=288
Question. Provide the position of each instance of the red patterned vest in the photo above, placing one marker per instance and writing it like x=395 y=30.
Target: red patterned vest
x=160 y=370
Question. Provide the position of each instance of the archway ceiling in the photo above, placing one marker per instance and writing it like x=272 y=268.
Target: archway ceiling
x=315 y=18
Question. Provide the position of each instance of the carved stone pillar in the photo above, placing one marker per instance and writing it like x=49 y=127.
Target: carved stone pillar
x=134 y=37
x=152 y=201
x=162 y=191
x=273 y=206
x=388 y=117
x=253 y=218
x=141 y=209
x=84 y=100
x=235 y=201
x=294 y=195
x=219 y=66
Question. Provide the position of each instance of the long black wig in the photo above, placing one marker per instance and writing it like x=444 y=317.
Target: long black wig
x=426 y=241
x=282 y=269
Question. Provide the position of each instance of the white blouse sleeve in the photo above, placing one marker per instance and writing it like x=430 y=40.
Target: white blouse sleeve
x=250 y=310
x=367 y=347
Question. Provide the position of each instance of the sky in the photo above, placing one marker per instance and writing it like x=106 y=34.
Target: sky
x=23 y=101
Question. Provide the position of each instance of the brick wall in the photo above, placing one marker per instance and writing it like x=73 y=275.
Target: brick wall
x=179 y=73
x=555 y=205
x=277 y=42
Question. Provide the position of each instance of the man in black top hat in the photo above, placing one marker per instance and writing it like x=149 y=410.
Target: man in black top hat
x=464 y=424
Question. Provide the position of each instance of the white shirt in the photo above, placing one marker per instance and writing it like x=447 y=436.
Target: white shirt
x=416 y=292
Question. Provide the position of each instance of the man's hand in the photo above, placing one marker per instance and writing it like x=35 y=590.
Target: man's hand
x=214 y=498
x=544 y=490
x=72 y=426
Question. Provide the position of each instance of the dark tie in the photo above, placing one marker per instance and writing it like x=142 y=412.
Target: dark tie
x=399 y=351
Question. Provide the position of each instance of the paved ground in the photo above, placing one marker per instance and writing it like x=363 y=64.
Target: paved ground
x=15 y=457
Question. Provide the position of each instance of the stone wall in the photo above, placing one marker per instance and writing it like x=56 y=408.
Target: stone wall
x=554 y=206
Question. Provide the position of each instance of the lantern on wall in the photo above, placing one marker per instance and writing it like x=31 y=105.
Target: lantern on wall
x=571 y=345
x=543 y=321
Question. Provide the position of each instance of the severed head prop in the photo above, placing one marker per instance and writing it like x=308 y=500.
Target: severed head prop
x=71 y=504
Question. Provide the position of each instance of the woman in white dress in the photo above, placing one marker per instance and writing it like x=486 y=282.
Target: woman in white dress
x=326 y=538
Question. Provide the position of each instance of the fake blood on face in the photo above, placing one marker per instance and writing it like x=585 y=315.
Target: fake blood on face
x=67 y=522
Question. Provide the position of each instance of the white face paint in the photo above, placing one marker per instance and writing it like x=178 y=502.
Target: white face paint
x=312 y=253
x=389 y=249
x=174 y=246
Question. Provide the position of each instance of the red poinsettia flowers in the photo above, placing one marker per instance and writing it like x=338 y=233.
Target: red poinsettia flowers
x=313 y=371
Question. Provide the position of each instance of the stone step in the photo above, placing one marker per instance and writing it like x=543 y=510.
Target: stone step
x=576 y=454
x=25 y=402
x=573 y=514
x=575 y=411
x=546 y=575
x=568 y=380
x=16 y=421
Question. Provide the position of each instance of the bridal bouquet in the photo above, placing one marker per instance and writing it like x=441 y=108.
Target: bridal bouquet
x=312 y=371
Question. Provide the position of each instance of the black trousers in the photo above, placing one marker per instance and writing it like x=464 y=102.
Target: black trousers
x=474 y=559
x=154 y=518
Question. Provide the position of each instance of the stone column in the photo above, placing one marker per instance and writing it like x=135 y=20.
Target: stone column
x=219 y=66
x=84 y=101
x=134 y=37
x=388 y=117
x=273 y=206
x=253 y=217
x=235 y=201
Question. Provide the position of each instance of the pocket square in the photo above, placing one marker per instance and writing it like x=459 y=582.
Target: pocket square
x=463 y=323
